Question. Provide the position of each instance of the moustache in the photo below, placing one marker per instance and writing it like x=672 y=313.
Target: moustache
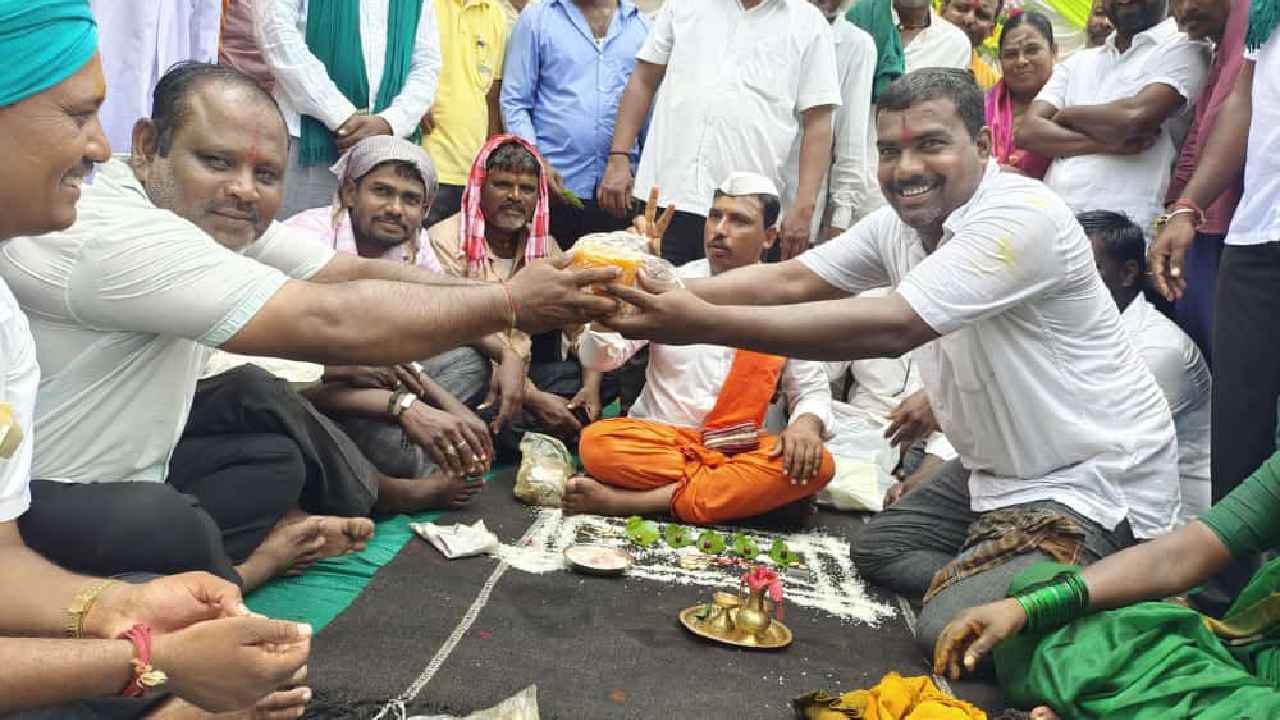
x=915 y=181
x=249 y=213
x=394 y=219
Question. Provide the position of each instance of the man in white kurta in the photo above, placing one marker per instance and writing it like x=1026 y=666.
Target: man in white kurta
x=736 y=83
x=850 y=179
x=303 y=86
x=693 y=443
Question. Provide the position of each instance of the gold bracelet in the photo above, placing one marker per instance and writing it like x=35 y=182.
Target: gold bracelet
x=81 y=606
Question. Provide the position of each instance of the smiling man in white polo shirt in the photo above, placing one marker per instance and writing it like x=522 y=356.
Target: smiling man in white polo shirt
x=1109 y=115
x=1065 y=441
x=741 y=80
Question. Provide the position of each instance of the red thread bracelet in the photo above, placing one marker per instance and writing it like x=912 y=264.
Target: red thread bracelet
x=145 y=677
x=511 y=304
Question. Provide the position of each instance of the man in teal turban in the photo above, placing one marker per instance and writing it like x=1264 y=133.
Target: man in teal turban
x=50 y=90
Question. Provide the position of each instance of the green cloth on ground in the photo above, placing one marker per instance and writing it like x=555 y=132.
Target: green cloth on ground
x=876 y=17
x=328 y=587
x=1245 y=520
x=333 y=36
x=1148 y=661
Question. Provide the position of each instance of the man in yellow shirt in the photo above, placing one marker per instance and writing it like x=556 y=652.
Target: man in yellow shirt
x=977 y=18
x=473 y=42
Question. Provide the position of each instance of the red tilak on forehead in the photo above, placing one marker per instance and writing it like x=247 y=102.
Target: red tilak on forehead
x=253 y=147
x=906 y=131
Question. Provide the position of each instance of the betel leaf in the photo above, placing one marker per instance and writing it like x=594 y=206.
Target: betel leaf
x=571 y=199
x=711 y=542
x=743 y=546
x=642 y=532
x=781 y=555
x=677 y=536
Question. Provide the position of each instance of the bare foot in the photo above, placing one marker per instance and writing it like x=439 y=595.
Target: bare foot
x=342 y=535
x=437 y=491
x=586 y=496
x=291 y=545
x=284 y=703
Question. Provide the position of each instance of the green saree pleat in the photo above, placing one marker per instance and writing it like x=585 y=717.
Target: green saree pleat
x=1148 y=661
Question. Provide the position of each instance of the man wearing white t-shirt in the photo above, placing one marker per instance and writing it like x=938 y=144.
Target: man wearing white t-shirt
x=740 y=81
x=1175 y=361
x=175 y=253
x=1065 y=441
x=1112 y=117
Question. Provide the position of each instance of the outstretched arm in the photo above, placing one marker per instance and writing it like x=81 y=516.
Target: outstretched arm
x=382 y=323
x=849 y=329
x=784 y=283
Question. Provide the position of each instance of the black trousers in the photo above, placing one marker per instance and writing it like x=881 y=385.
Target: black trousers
x=252 y=451
x=568 y=223
x=1246 y=356
x=447 y=204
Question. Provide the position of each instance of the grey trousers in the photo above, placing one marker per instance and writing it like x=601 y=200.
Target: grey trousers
x=462 y=372
x=305 y=187
x=903 y=547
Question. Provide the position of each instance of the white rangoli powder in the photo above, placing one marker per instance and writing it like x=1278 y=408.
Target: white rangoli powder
x=829 y=582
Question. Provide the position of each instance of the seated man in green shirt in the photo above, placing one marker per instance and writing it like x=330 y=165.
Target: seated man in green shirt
x=1056 y=649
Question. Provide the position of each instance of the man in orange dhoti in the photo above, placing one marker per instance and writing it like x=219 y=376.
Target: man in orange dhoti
x=693 y=442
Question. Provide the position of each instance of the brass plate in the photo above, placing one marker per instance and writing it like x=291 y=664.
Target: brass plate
x=776 y=636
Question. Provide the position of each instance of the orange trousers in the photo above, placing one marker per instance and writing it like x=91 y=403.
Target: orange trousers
x=712 y=487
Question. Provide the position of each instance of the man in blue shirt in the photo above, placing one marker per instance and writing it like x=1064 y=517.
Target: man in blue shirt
x=567 y=64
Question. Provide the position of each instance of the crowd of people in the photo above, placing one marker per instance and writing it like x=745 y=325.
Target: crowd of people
x=326 y=275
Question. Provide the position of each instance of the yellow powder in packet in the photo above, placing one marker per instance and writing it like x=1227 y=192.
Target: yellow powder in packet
x=622 y=250
x=10 y=431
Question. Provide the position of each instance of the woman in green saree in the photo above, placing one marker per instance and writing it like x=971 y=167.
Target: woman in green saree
x=1094 y=649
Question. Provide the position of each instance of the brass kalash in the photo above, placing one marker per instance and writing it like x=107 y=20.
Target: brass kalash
x=731 y=620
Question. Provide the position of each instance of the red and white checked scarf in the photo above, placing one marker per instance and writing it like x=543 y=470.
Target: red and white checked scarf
x=473 y=243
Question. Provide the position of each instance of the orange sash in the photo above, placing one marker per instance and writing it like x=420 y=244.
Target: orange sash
x=747 y=390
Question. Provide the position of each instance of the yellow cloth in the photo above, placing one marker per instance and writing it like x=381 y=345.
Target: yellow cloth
x=986 y=75
x=895 y=698
x=473 y=42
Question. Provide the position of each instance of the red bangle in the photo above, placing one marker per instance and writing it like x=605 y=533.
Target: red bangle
x=145 y=677
x=511 y=304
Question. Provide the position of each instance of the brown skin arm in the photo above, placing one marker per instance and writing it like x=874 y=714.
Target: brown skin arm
x=1168 y=565
x=815 y=157
x=46 y=672
x=40 y=609
x=369 y=322
x=1221 y=163
x=1040 y=133
x=848 y=329
x=614 y=193
x=785 y=283
x=345 y=268
x=1142 y=114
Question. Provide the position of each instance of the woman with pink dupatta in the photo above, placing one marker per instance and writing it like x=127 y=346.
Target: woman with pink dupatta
x=1027 y=55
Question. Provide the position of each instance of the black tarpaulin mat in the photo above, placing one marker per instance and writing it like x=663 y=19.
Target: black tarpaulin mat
x=450 y=637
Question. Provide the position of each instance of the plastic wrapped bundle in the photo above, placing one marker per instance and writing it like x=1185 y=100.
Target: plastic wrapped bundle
x=629 y=253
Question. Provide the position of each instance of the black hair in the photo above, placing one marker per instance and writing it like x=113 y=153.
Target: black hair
x=770 y=206
x=403 y=168
x=1035 y=20
x=926 y=84
x=513 y=157
x=171 y=100
x=1121 y=239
